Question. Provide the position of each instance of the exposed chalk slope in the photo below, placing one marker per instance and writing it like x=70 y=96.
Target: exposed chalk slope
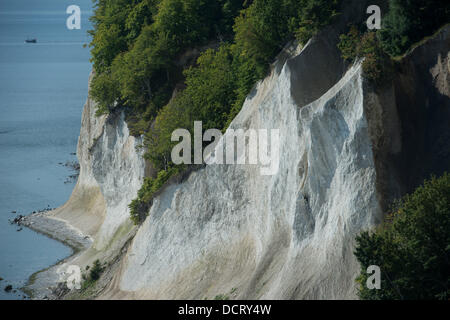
x=289 y=235
x=346 y=151
x=111 y=172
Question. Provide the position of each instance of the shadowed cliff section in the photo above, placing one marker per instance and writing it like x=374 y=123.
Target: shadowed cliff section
x=409 y=118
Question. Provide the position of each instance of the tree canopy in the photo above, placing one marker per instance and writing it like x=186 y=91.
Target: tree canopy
x=412 y=248
x=408 y=21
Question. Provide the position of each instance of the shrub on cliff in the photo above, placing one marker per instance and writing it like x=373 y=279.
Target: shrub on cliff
x=366 y=45
x=139 y=207
x=412 y=247
x=96 y=271
x=405 y=23
x=312 y=16
x=349 y=43
x=408 y=21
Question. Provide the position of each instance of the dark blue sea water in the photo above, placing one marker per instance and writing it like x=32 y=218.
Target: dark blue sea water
x=43 y=87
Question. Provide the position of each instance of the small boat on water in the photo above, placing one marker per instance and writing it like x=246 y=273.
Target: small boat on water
x=31 y=40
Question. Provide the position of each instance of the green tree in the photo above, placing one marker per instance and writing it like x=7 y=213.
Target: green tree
x=109 y=36
x=158 y=139
x=312 y=15
x=143 y=70
x=142 y=14
x=367 y=45
x=349 y=44
x=261 y=30
x=96 y=271
x=408 y=21
x=105 y=90
x=209 y=93
x=211 y=86
x=412 y=248
x=139 y=207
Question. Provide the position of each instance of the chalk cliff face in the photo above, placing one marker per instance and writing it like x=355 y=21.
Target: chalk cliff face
x=346 y=151
x=290 y=235
x=283 y=236
x=95 y=220
x=111 y=173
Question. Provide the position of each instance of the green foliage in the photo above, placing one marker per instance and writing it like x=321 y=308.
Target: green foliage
x=210 y=91
x=92 y=276
x=408 y=21
x=210 y=87
x=139 y=206
x=374 y=64
x=105 y=90
x=261 y=30
x=140 y=15
x=158 y=138
x=412 y=248
x=349 y=44
x=109 y=34
x=312 y=16
x=356 y=45
x=96 y=271
x=141 y=71
x=137 y=43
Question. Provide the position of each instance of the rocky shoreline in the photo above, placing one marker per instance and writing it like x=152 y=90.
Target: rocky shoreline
x=44 y=284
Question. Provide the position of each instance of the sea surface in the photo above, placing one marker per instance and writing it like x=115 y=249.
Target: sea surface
x=43 y=87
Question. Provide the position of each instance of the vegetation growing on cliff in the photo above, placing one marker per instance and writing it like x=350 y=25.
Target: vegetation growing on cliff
x=139 y=207
x=92 y=276
x=146 y=57
x=405 y=23
x=140 y=52
x=356 y=44
x=408 y=21
x=412 y=248
x=137 y=46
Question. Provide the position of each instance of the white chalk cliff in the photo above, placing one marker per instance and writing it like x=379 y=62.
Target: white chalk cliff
x=227 y=229
x=111 y=172
x=283 y=236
